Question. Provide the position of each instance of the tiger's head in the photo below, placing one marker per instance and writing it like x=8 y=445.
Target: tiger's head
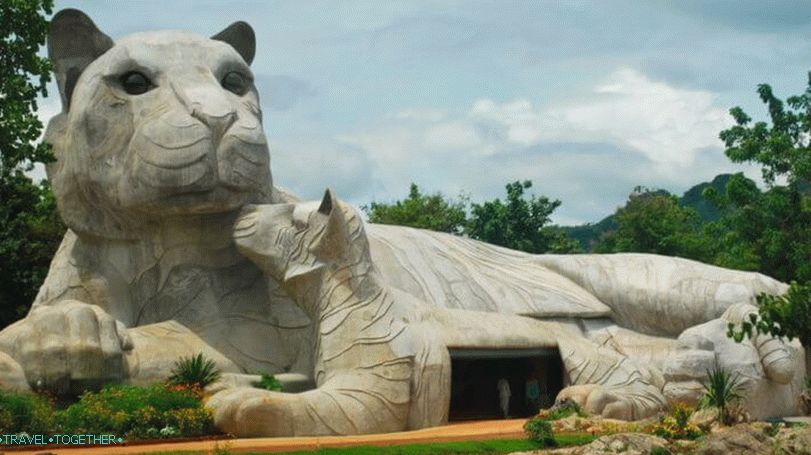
x=156 y=125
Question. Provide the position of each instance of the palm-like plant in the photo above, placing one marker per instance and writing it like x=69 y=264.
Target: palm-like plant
x=721 y=390
x=194 y=371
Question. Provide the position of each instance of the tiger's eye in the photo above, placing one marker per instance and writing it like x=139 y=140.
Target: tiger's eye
x=135 y=83
x=235 y=82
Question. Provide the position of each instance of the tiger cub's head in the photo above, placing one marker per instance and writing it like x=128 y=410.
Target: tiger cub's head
x=294 y=241
x=155 y=125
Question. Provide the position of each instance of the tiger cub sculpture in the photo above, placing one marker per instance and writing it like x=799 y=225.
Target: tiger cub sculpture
x=379 y=365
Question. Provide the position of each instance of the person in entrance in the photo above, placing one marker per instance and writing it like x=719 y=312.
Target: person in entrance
x=504 y=394
x=532 y=395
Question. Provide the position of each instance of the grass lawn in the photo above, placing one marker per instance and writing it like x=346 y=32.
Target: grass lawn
x=497 y=446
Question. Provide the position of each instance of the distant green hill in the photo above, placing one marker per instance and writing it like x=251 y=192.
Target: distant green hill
x=694 y=197
x=589 y=233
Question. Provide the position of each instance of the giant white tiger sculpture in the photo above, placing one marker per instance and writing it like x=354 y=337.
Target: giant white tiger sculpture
x=159 y=147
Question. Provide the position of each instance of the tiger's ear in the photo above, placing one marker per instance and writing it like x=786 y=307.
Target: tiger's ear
x=74 y=42
x=241 y=37
x=334 y=238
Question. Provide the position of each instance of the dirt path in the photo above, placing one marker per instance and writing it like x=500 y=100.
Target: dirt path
x=467 y=431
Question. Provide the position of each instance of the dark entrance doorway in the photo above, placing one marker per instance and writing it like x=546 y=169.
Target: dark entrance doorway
x=535 y=377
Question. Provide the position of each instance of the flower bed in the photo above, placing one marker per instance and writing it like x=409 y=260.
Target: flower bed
x=153 y=412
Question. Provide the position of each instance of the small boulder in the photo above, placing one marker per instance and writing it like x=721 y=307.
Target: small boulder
x=739 y=439
x=805 y=402
x=794 y=440
x=624 y=443
x=688 y=392
x=704 y=418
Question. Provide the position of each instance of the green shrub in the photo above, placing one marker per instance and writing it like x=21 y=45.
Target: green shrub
x=720 y=391
x=191 y=421
x=138 y=412
x=269 y=382
x=195 y=371
x=540 y=431
x=676 y=424
x=781 y=316
x=659 y=451
x=25 y=412
x=773 y=428
x=562 y=410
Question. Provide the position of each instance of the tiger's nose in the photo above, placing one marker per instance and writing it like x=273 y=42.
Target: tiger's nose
x=208 y=104
x=219 y=122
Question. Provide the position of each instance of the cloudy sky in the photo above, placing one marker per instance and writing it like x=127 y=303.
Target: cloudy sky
x=586 y=99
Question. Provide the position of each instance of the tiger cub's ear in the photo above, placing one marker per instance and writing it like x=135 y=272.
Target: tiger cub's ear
x=74 y=42
x=334 y=239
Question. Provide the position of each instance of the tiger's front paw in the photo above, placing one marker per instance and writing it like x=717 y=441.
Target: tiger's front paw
x=251 y=412
x=614 y=402
x=12 y=376
x=595 y=399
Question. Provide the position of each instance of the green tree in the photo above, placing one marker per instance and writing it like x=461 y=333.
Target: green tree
x=30 y=230
x=23 y=75
x=758 y=229
x=652 y=221
x=775 y=224
x=425 y=211
x=783 y=316
x=519 y=223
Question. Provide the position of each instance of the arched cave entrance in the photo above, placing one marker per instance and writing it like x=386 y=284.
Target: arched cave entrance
x=535 y=377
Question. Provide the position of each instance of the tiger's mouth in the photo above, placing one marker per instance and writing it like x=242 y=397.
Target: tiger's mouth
x=218 y=199
x=202 y=177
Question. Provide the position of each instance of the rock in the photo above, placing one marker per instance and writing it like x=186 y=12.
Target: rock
x=688 y=392
x=740 y=440
x=594 y=425
x=805 y=402
x=683 y=446
x=704 y=418
x=622 y=443
x=794 y=440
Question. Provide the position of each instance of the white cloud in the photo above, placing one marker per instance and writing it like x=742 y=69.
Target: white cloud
x=309 y=166
x=453 y=135
x=668 y=125
x=431 y=115
x=47 y=108
x=514 y=123
x=665 y=124
x=588 y=150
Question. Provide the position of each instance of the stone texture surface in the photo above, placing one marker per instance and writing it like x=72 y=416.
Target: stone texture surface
x=795 y=441
x=740 y=439
x=151 y=186
x=620 y=443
